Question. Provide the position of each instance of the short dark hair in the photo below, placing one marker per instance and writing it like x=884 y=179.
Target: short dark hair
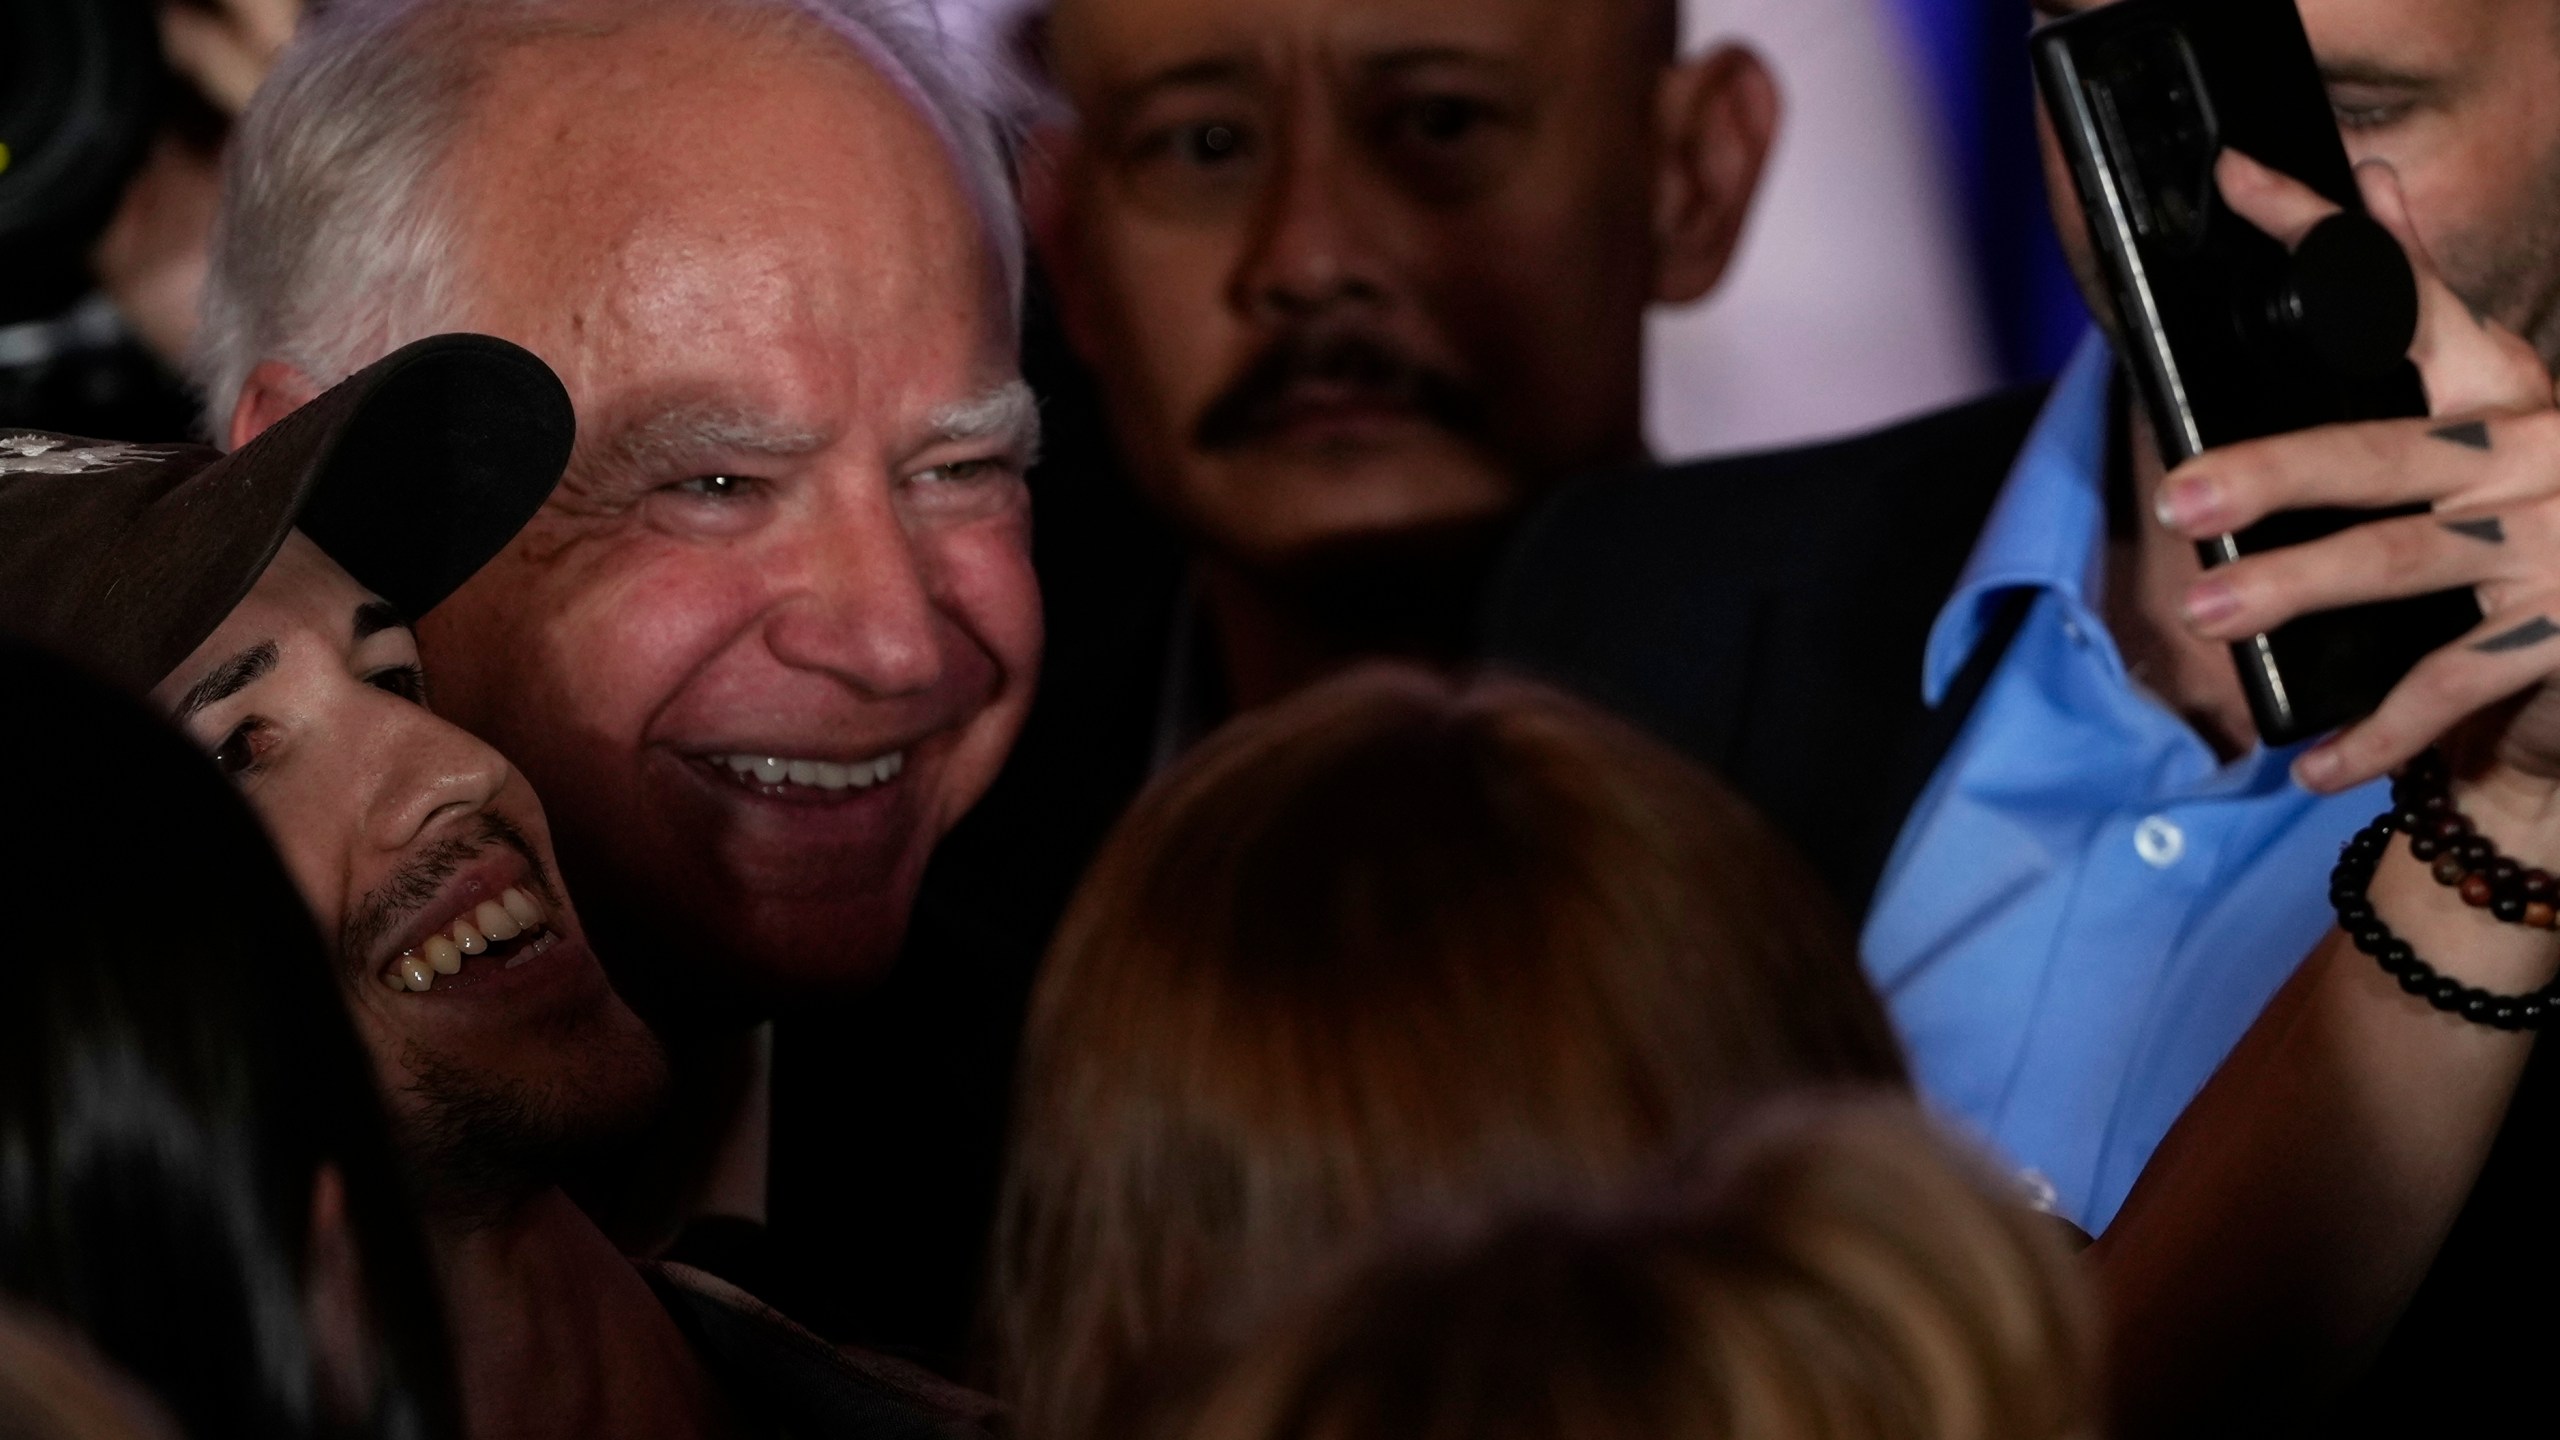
x=176 y=1067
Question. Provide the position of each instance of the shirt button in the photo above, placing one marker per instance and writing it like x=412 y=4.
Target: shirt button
x=2159 y=842
x=2071 y=631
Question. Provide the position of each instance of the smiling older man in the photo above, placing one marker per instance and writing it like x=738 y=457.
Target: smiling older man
x=259 y=599
x=778 y=629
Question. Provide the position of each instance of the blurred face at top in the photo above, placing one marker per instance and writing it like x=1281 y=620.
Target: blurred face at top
x=777 y=628
x=1352 y=267
x=2462 y=98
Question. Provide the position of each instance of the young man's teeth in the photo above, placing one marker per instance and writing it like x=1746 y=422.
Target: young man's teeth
x=495 y=922
x=526 y=909
x=513 y=913
x=816 y=774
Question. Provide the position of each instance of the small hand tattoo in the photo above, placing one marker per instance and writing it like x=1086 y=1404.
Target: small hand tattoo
x=2486 y=529
x=2524 y=637
x=2469 y=434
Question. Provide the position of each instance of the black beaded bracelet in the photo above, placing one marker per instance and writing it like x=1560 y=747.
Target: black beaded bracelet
x=2348 y=884
x=2463 y=859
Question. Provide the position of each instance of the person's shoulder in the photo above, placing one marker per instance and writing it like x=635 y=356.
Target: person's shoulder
x=803 y=1385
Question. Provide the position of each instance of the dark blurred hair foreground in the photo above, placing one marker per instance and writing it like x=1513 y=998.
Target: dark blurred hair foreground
x=179 y=1088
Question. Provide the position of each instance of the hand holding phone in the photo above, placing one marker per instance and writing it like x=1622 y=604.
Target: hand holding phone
x=2230 y=336
x=2486 y=467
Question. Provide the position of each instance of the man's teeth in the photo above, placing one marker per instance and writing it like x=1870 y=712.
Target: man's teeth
x=817 y=774
x=514 y=912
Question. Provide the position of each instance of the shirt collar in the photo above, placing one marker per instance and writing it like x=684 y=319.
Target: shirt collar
x=2047 y=529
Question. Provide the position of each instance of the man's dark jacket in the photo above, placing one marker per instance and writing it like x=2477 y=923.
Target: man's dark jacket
x=1768 y=615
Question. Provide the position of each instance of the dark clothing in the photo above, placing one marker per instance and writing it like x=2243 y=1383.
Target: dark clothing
x=791 y=1385
x=1768 y=615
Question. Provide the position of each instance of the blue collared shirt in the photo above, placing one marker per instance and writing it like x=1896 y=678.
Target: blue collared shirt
x=2087 y=908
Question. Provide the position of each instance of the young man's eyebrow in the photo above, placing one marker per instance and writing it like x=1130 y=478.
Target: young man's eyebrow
x=228 y=679
x=374 y=616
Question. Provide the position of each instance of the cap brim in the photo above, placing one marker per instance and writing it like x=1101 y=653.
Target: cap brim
x=423 y=465
x=413 y=473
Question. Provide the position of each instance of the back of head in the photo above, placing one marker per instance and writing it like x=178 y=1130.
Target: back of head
x=1393 y=943
x=1838 y=1275
x=176 y=1070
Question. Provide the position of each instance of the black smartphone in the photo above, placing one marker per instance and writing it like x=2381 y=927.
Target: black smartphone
x=2228 y=336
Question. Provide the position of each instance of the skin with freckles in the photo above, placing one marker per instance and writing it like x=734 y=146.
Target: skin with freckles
x=365 y=791
x=794 y=526
x=1352 y=268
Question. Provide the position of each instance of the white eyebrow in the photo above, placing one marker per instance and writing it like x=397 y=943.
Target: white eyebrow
x=688 y=432
x=1009 y=412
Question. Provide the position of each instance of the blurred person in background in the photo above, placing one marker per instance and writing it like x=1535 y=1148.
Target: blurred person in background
x=1835 y=1271
x=54 y=1386
x=228 y=588
x=1972 y=666
x=200 y=1176
x=108 y=366
x=778 y=628
x=1392 y=943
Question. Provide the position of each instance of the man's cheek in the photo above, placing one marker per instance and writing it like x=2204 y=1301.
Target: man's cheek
x=995 y=595
x=623 y=649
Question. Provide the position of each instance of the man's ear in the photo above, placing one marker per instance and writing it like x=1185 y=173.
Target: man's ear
x=1718 y=115
x=272 y=391
x=1048 y=165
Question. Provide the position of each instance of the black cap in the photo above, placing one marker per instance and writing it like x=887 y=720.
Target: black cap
x=412 y=473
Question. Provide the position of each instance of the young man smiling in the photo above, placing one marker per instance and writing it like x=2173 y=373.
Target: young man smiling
x=259 y=599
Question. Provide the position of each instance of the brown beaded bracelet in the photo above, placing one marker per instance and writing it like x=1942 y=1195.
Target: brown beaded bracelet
x=2462 y=858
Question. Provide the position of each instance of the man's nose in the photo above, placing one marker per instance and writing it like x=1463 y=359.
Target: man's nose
x=430 y=774
x=857 y=599
x=1310 y=248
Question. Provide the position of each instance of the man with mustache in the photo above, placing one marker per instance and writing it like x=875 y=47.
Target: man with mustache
x=260 y=599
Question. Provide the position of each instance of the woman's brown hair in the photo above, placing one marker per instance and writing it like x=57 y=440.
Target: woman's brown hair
x=1395 y=942
x=1841 y=1274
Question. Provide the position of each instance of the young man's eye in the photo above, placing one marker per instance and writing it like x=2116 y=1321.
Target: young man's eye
x=240 y=753
x=406 y=681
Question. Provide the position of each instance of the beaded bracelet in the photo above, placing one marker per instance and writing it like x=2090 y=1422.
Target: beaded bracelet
x=2348 y=884
x=2462 y=858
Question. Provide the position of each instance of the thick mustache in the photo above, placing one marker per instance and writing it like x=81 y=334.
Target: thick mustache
x=416 y=881
x=1252 y=407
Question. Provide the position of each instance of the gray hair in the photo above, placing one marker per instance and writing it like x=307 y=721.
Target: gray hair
x=331 y=246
